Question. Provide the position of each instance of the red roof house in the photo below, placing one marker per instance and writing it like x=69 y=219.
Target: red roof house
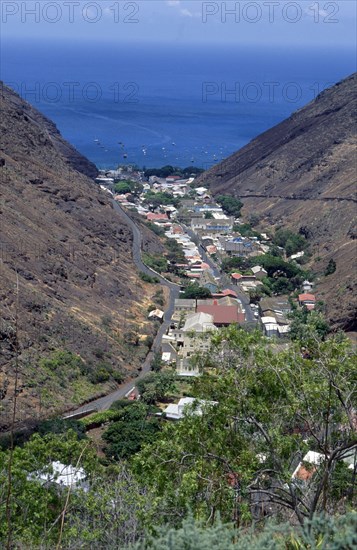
x=222 y=315
x=307 y=300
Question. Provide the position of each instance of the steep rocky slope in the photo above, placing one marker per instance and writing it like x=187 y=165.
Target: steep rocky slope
x=66 y=261
x=302 y=174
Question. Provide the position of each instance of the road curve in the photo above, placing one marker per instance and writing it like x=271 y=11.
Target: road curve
x=104 y=403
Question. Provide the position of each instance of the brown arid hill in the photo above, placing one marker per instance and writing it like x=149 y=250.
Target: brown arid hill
x=301 y=174
x=66 y=273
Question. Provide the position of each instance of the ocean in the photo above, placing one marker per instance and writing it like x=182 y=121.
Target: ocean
x=154 y=105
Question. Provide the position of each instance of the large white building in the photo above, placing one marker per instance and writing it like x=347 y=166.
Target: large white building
x=192 y=338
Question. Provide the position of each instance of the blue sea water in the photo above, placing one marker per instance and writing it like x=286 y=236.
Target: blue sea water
x=154 y=105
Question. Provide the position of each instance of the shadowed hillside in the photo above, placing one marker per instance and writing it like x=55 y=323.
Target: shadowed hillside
x=80 y=301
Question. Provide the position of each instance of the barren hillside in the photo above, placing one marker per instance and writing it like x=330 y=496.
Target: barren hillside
x=70 y=255
x=302 y=174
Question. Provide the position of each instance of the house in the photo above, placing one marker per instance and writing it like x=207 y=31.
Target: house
x=190 y=340
x=308 y=466
x=219 y=225
x=211 y=249
x=159 y=218
x=297 y=255
x=186 y=405
x=236 y=277
x=247 y=280
x=259 y=272
x=201 y=191
x=156 y=315
x=207 y=241
x=223 y=315
x=207 y=280
x=239 y=246
x=270 y=327
x=177 y=229
x=199 y=322
x=230 y=301
x=307 y=300
x=283 y=331
x=170 y=211
x=208 y=208
x=184 y=304
x=276 y=306
x=172 y=179
x=191 y=275
x=62 y=475
x=307 y=286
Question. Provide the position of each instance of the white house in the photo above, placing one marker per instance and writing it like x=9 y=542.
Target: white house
x=186 y=405
x=307 y=286
x=259 y=272
x=190 y=339
x=270 y=326
x=61 y=475
x=156 y=315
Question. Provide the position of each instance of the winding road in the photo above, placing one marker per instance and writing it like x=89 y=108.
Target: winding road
x=103 y=403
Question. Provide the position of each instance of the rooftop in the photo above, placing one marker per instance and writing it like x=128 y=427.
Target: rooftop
x=222 y=315
x=307 y=298
x=199 y=321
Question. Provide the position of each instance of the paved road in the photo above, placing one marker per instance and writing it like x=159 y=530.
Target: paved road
x=104 y=403
x=224 y=279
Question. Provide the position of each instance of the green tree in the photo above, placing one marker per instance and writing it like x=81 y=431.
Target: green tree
x=175 y=253
x=230 y=205
x=155 y=386
x=126 y=436
x=156 y=363
x=122 y=188
x=292 y=242
x=307 y=326
x=35 y=506
x=160 y=198
x=331 y=267
x=111 y=515
x=196 y=292
x=237 y=262
x=237 y=459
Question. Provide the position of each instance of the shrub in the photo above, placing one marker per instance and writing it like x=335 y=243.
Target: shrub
x=230 y=205
x=158 y=263
x=120 y=404
x=148 y=278
x=98 y=419
x=331 y=267
x=159 y=231
x=292 y=242
x=98 y=376
x=195 y=291
x=134 y=428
